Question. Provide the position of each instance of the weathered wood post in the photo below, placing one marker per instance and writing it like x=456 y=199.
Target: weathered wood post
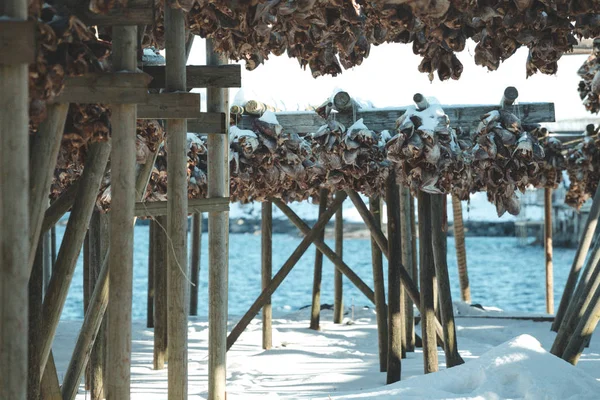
x=99 y=242
x=87 y=289
x=338 y=277
x=218 y=186
x=267 y=271
x=548 y=250
x=151 y=271
x=427 y=268
x=407 y=261
x=123 y=164
x=439 y=222
x=395 y=334
x=578 y=261
x=160 y=244
x=35 y=322
x=379 y=289
x=47 y=262
x=14 y=218
x=177 y=208
x=461 y=253
x=584 y=330
x=195 y=261
x=315 y=311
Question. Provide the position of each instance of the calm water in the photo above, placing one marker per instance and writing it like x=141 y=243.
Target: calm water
x=501 y=273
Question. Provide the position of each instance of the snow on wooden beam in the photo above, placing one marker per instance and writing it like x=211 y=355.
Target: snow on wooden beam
x=17 y=42
x=108 y=88
x=200 y=76
x=385 y=118
x=156 y=208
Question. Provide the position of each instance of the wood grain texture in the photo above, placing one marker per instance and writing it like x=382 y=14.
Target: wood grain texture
x=267 y=271
x=170 y=106
x=379 y=286
x=210 y=123
x=160 y=287
x=17 y=42
x=156 y=208
x=14 y=219
x=106 y=87
x=338 y=277
x=315 y=312
x=177 y=209
x=407 y=261
x=197 y=219
x=123 y=166
x=200 y=76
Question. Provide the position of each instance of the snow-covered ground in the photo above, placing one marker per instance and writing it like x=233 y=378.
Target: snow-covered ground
x=505 y=359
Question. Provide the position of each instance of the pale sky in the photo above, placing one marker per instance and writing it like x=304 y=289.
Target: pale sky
x=389 y=77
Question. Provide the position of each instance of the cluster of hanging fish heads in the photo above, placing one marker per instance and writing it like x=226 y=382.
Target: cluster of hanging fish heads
x=326 y=36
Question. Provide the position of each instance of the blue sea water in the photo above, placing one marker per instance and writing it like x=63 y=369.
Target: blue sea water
x=502 y=273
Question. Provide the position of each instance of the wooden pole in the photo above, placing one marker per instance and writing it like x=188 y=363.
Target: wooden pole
x=338 y=277
x=14 y=218
x=407 y=261
x=580 y=256
x=99 y=242
x=35 y=322
x=58 y=208
x=579 y=303
x=413 y=229
x=46 y=143
x=510 y=95
x=195 y=261
x=439 y=223
x=381 y=241
x=461 y=253
x=327 y=252
x=218 y=238
x=315 y=313
x=66 y=260
x=151 y=271
x=394 y=356
x=123 y=165
x=283 y=272
x=47 y=262
x=267 y=270
x=87 y=290
x=584 y=330
x=159 y=242
x=430 y=356
x=548 y=250
x=378 y=283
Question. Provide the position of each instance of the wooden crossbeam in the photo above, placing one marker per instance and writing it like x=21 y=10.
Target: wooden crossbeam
x=107 y=88
x=208 y=123
x=156 y=208
x=17 y=42
x=200 y=76
x=385 y=118
x=170 y=106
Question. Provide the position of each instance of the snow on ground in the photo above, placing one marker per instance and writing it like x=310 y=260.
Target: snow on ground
x=504 y=359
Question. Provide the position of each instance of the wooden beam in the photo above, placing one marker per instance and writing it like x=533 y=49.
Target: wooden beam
x=106 y=87
x=177 y=209
x=45 y=146
x=218 y=236
x=156 y=208
x=159 y=243
x=170 y=106
x=284 y=271
x=427 y=272
x=49 y=387
x=35 y=322
x=123 y=166
x=338 y=283
x=582 y=250
x=200 y=76
x=583 y=332
x=438 y=224
x=548 y=250
x=59 y=207
x=66 y=261
x=407 y=261
x=394 y=356
x=210 y=123
x=17 y=42
x=195 y=261
x=267 y=271
x=315 y=312
x=151 y=271
x=380 y=119
x=14 y=217
x=379 y=286
x=326 y=250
